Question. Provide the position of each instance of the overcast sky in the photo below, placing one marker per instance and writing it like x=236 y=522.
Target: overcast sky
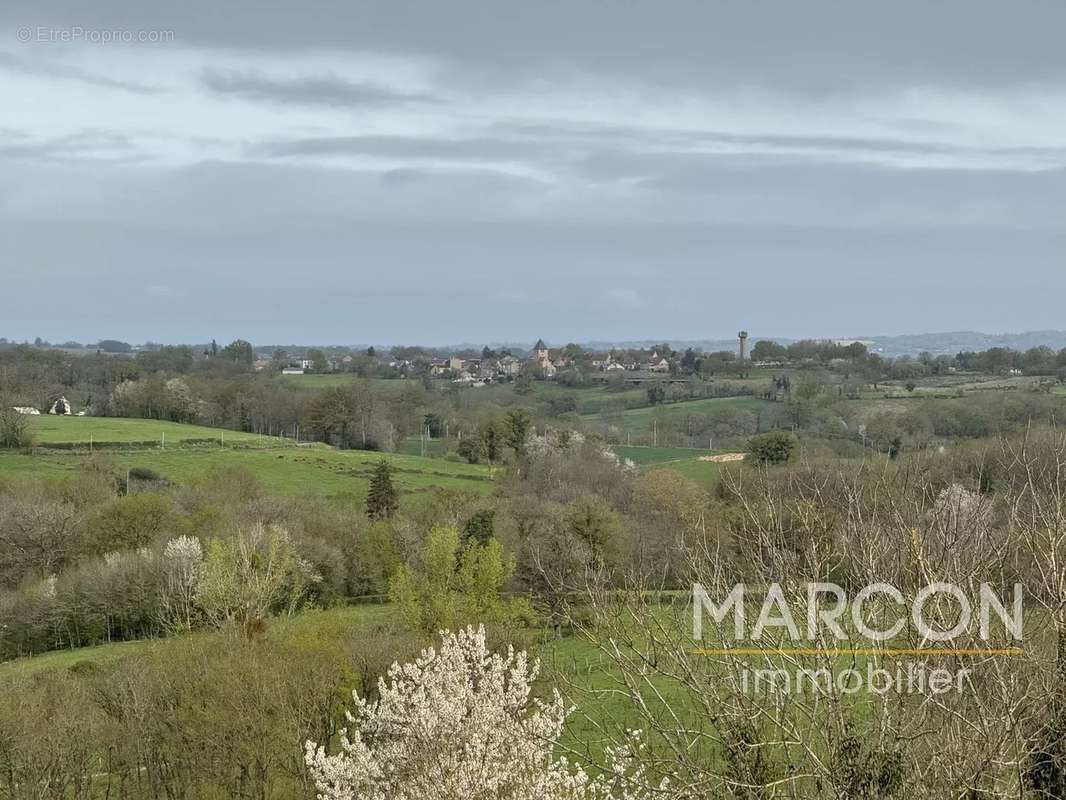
x=446 y=170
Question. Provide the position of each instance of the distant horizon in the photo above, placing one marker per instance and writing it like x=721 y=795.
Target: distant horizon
x=552 y=342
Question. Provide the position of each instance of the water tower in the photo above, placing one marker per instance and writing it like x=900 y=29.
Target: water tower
x=743 y=337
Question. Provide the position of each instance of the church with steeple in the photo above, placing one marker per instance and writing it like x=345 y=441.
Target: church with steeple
x=542 y=357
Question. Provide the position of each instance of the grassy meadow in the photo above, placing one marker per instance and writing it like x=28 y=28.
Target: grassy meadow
x=642 y=420
x=686 y=461
x=57 y=430
x=192 y=452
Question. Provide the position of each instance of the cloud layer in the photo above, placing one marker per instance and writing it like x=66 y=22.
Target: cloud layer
x=355 y=172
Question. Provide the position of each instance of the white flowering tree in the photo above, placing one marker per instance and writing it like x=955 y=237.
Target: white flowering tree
x=460 y=723
x=183 y=560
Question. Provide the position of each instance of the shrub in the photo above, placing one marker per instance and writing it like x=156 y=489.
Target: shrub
x=453 y=585
x=772 y=447
x=245 y=578
x=129 y=522
x=145 y=474
x=15 y=430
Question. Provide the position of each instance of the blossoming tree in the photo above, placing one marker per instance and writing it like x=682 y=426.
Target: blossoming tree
x=460 y=723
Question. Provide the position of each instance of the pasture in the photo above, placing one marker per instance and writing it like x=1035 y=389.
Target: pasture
x=685 y=461
x=56 y=430
x=294 y=471
x=193 y=452
x=643 y=424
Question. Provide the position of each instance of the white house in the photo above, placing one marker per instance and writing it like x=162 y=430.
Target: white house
x=662 y=365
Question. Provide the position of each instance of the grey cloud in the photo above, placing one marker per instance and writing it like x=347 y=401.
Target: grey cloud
x=664 y=159
x=469 y=149
x=319 y=231
x=861 y=196
x=621 y=139
x=94 y=145
x=808 y=48
x=43 y=69
x=322 y=90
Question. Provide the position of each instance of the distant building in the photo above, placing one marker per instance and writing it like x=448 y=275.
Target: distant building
x=509 y=365
x=293 y=371
x=542 y=358
x=662 y=365
x=61 y=407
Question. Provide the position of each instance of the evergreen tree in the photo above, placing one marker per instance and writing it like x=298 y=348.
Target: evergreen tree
x=382 y=500
x=480 y=527
x=517 y=425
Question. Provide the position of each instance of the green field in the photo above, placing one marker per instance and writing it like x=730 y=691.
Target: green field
x=683 y=460
x=646 y=414
x=642 y=423
x=279 y=465
x=294 y=471
x=413 y=446
x=642 y=456
x=957 y=385
x=597 y=398
x=49 y=429
x=704 y=473
x=325 y=381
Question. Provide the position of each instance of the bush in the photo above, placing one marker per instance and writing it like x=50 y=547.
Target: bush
x=15 y=430
x=455 y=584
x=145 y=474
x=772 y=447
x=127 y=523
x=207 y=717
x=248 y=576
